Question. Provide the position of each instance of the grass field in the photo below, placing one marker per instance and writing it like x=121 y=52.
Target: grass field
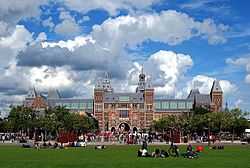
x=119 y=157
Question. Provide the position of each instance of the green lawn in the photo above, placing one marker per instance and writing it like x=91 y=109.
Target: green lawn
x=118 y=157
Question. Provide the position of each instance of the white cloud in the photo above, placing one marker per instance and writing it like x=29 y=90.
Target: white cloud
x=68 y=27
x=83 y=19
x=243 y=61
x=165 y=69
x=169 y=26
x=48 y=23
x=41 y=37
x=238 y=103
x=18 y=39
x=112 y=6
x=47 y=77
x=247 y=79
x=11 y=45
x=3 y=28
x=222 y=7
x=70 y=44
x=204 y=84
x=12 y=11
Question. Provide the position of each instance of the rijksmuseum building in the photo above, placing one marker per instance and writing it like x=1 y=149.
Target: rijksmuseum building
x=129 y=111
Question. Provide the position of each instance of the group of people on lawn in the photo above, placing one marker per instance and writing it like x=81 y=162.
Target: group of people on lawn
x=172 y=151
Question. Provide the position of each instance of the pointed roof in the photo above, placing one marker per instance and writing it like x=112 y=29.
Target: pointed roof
x=216 y=86
x=203 y=99
x=192 y=94
x=32 y=93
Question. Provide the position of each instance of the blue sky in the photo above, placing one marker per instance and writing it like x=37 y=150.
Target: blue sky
x=182 y=45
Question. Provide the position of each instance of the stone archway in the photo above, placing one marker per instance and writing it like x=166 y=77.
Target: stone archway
x=113 y=129
x=124 y=127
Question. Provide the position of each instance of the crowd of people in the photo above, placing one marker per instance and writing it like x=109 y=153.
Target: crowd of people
x=173 y=151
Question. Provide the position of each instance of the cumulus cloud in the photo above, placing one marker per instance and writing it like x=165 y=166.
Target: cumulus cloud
x=48 y=23
x=85 y=57
x=169 y=26
x=70 y=44
x=107 y=42
x=68 y=27
x=3 y=28
x=165 y=68
x=83 y=19
x=48 y=77
x=243 y=61
x=12 y=11
x=11 y=45
x=204 y=84
x=112 y=6
x=14 y=80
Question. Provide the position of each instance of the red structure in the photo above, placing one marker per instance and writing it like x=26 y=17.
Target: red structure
x=67 y=137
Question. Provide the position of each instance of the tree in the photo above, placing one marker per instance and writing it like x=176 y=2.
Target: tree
x=25 y=120
x=238 y=122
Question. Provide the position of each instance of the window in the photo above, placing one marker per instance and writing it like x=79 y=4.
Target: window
x=98 y=107
x=90 y=105
x=181 y=105
x=105 y=105
x=124 y=98
x=149 y=107
x=173 y=105
x=141 y=106
x=123 y=105
x=189 y=105
x=165 y=105
x=157 y=105
x=123 y=113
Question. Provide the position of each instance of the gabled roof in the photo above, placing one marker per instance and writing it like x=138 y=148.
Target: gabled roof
x=203 y=99
x=216 y=86
x=192 y=94
x=32 y=94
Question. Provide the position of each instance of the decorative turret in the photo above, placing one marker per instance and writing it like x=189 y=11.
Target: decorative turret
x=142 y=82
x=216 y=95
x=104 y=84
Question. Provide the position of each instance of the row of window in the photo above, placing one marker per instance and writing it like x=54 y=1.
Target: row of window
x=157 y=105
x=123 y=105
x=173 y=105
x=123 y=113
x=76 y=105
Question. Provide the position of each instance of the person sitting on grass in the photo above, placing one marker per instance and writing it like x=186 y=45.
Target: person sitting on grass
x=143 y=153
x=173 y=150
x=144 y=145
x=190 y=153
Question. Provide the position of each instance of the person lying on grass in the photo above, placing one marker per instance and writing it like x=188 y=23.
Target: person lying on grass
x=100 y=147
x=190 y=153
x=160 y=153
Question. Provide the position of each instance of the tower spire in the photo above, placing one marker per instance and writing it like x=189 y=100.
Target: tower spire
x=142 y=82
